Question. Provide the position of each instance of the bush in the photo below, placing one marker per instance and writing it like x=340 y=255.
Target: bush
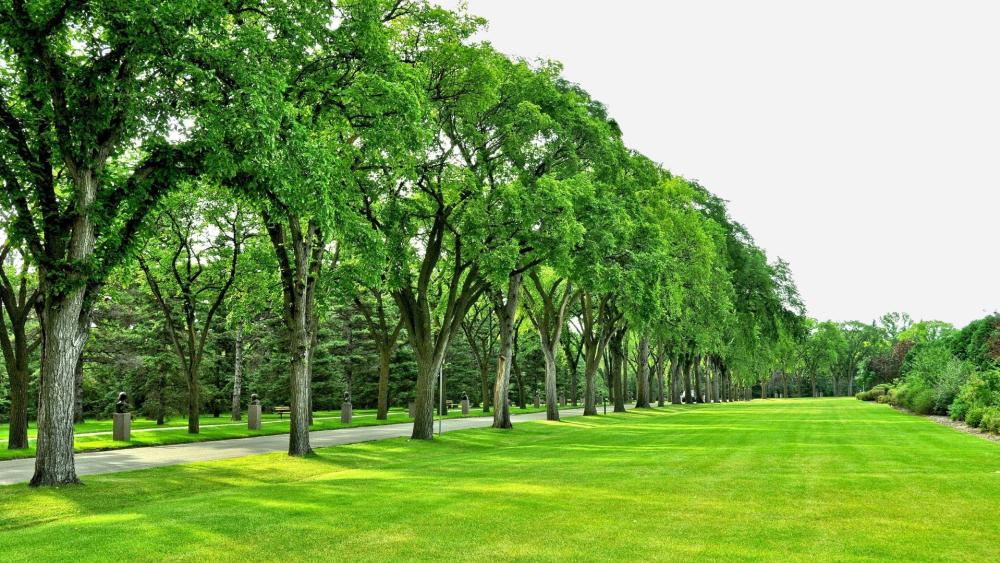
x=883 y=399
x=975 y=415
x=933 y=377
x=980 y=391
x=923 y=401
x=875 y=393
x=991 y=420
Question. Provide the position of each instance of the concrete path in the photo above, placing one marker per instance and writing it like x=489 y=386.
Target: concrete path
x=129 y=459
x=242 y=423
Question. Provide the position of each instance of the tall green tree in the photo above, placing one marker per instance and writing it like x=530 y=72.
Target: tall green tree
x=99 y=107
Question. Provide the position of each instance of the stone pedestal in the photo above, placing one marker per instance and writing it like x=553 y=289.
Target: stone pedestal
x=465 y=406
x=122 y=430
x=413 y=409
x=253 y=417
x=346 y=413
x=562 y=400
x=538 y=401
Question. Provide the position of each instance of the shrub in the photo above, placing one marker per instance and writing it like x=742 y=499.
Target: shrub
x=875 y=393
x=991 y=420
x=975 y=415
x=922 y=401
x=981 y=390
x=883 y=399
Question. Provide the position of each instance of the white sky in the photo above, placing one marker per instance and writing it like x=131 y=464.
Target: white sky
x=856 y=139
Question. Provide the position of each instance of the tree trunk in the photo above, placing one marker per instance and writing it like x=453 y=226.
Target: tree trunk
x=505 y=307
x=16 y=360
x=696 y=367
x=194 y=400
x=237 y=411
x=484 y=379
x=590 y=386
x=17 y=435
x=551 y=392
x=64 y=335
x=642 y=373
x=688 y=389
x=617 y=356
x=716 y=391
x=78 y=390
x=676 y=369
x=384 y=361
x=661 y=366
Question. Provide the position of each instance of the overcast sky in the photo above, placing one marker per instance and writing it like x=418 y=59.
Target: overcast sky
x=858 y=140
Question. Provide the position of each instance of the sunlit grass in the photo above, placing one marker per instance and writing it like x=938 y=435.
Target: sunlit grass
x=816 y=480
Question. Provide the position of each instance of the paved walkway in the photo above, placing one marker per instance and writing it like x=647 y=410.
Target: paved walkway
x=129 y=459
x=215 y=425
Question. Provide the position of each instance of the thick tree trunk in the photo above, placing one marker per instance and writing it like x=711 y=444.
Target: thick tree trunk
x=484 y=378
x=716 y=391
x=237 y=410
x=78 y=390
x=696 y=367
x=16 y=356
x=17 y=434
x=428 y=370
x=194 y=400
x=590 y=387
x=688 y=389
x=300 y=348
x=617 y=356
x=661 y=366
x=384 y=361
x=551 y=391
x=574 y=385
x=505 y=307
x=642 y=373
x=64 y=335
x=675 y=380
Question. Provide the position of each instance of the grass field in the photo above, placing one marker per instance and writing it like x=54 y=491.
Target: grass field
x=96 y=434
x=817 y=480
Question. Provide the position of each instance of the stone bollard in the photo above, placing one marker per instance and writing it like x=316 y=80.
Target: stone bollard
x=538 y=401
x=465 y=404
x=346 y=411
x=122 y=426
x=253 y=413
x=413 y=409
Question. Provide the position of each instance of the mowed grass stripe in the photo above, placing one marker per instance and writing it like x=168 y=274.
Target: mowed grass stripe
x=810 y=479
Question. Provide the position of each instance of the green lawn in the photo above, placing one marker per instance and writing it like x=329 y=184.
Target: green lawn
x=800 y=479
x=146 y=433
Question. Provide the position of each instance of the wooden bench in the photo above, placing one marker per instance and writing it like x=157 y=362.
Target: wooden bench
x=281 y=411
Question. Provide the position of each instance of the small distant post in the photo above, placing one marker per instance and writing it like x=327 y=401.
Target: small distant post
x=122 y=428
x=413 y=409
x=346 y=411
x=562 y=400
x=253 y=413
x=465 y=404
x=538 y=401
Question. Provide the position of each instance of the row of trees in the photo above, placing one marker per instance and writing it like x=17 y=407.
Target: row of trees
x=194 y=159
